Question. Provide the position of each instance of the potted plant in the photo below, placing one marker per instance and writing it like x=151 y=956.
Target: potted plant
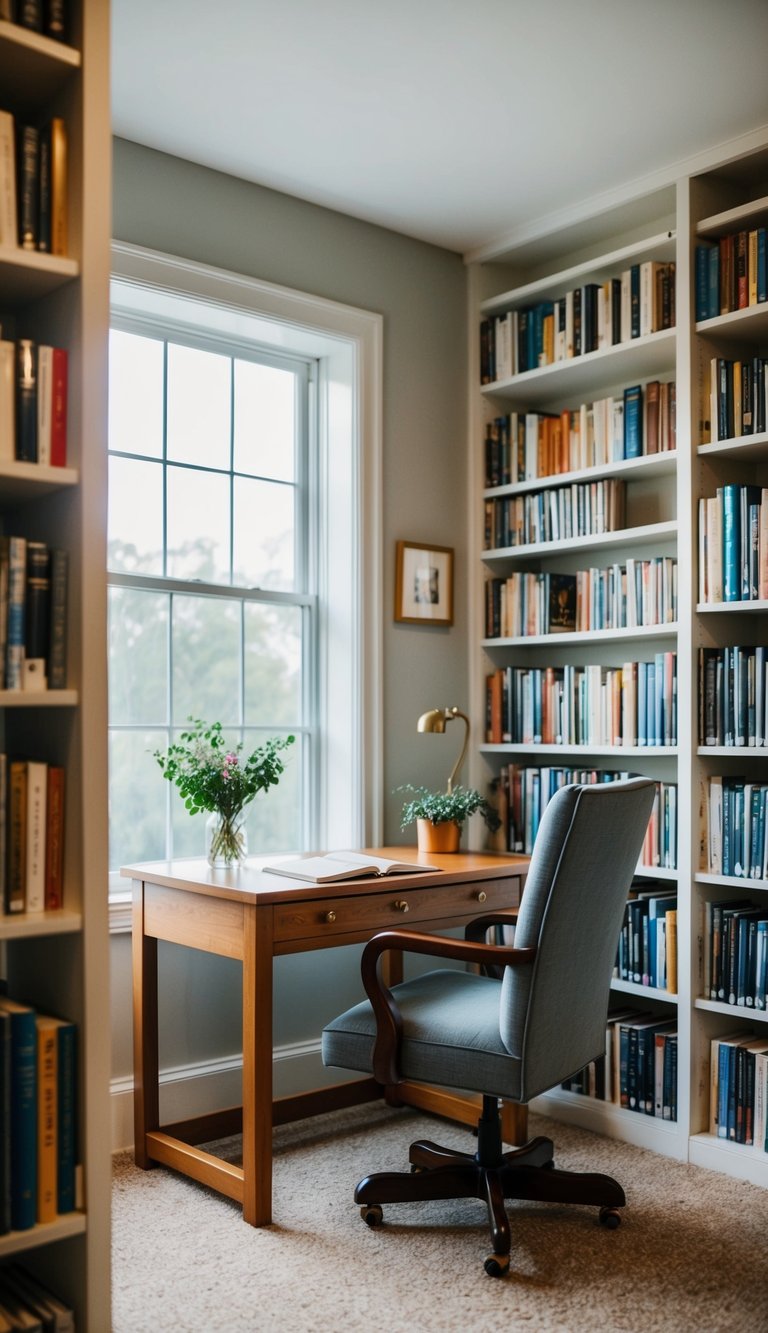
x=210 y=775
x=440 y=815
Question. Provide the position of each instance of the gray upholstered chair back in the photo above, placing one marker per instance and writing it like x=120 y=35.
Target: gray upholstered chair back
x=553 y=1010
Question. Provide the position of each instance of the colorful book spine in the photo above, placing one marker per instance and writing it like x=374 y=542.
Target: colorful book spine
x=23 y=1113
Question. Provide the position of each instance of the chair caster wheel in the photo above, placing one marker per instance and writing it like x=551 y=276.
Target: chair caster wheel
x=610 y=1218
x=548 y=1166
x=417 y=1170
x=497 y=1265
x=372 y=1214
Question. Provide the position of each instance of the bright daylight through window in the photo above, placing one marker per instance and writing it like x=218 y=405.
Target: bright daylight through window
x=212 y=611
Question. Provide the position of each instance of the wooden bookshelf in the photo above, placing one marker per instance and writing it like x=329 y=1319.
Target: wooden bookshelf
x=724 y=197
x=57 y=961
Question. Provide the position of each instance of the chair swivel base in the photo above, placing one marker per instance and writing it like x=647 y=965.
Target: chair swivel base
x=527 y=1172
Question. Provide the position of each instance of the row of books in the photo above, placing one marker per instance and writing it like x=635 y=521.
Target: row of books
x=635 y=704
x=26 y=1304
x=733 y=545
x=587 y=318
x=33 y=185
x=735 y=951
x=33 y=614
x=647 y=950
x=33 y=402
x=733 y=827
x=738 y=1101
x=522 y=446
x=50 y=17
x=738 y=397
x=639 y=1068
x=31 y=835
x=731 y=273
x=523 y=792
x=38 y=1145
x=641 y=592
x=582 y=509
x=733 y=692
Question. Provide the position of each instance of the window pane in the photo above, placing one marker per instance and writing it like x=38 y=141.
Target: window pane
x=135 y=516
x=199 y=404
x=138 y=657
x=264 y=535
x=272 y=665
x=206 y=660
x=198 y=525
x=135 y=394
x=137 y=798
x=274 y=816
x=264 y=420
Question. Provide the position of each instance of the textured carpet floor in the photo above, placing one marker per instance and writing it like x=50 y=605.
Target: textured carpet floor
x=691 y=1255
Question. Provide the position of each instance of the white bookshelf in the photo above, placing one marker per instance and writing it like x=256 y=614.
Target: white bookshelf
x=58 y=961
x=727 y=196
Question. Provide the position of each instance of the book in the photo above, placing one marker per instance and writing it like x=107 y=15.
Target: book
x=17 y=575
x=37 y=787
x=59 y=205
x=16 y=885
x=59 y=405
x=9 y=227
x=7 y=400
x=66 y=1113
x=343 y=865
x=57 y=642
x=26 y=401
x=55 y=1315
x=37 y=600
x=54 y=839
x=28 y=185
x=23 y=1113
x=47 y=1131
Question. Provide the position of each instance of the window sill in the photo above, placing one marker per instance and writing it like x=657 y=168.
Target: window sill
x=120 y=914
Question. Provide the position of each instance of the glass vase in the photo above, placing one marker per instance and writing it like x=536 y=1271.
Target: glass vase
x=226 y=841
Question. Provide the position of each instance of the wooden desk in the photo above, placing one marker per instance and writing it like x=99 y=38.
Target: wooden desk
x=254 y=916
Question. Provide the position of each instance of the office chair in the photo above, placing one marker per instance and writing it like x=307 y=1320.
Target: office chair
x=514 y=1034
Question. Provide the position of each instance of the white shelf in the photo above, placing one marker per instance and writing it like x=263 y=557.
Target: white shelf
x=633 y=469
x=730 y=881
x=617 y=751
x=20 y=482
x=644 y=1131
x=733 y=1159
x=732 y=751
x=736 y=448
x=27 y=276
x=643 y=992
x=38 y=698
x=718 y=608
x=734 y=219
x=17 y=1242
x=660 y=246
x=32 y=67
x=640 y=632
x=629 y=362
x=28 y=925
x=732 y=1010
x=651 y=534
x=738 y=326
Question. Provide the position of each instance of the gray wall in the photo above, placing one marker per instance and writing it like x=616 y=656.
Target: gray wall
x=174 y=206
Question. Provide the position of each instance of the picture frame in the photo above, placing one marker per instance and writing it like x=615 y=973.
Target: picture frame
x=423 y=584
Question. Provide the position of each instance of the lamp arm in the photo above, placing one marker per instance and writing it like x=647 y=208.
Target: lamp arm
x=454 y=712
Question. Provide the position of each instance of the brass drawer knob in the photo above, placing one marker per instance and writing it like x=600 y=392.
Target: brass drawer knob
x=481 y=896
x=330 y=917
x=401 y=905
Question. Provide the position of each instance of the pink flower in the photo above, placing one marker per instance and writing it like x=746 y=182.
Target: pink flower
x=230 y=759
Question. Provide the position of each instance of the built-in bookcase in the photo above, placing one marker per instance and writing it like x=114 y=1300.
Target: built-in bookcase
x=57 y=961
x=662 y=491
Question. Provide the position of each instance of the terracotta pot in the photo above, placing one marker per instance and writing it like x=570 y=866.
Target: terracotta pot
x=443 y=837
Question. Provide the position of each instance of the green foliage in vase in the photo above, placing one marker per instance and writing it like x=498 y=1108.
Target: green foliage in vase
x=441 y=807
x=211 y=775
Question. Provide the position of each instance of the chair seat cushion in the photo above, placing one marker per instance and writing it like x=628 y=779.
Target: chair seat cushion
x=450 y=1035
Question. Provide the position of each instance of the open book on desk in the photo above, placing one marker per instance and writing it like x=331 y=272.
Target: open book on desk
x=343 y=865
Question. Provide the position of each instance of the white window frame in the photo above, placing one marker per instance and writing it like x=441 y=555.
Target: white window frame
x=347 y=344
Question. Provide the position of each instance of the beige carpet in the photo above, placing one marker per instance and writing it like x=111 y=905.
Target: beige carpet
x=691 y=1254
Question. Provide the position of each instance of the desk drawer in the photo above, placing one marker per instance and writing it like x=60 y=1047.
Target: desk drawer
x=366 y=913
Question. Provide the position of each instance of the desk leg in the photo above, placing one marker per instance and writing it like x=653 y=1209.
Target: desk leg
x=257 y=1066
x=146 y=1108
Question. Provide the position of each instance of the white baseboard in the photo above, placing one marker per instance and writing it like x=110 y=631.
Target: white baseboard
x=211 y=1085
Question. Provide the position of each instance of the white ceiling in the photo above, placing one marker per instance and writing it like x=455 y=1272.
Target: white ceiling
x=455 y=121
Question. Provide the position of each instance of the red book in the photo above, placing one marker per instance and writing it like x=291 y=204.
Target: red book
x=59 y=408
x=54 y=840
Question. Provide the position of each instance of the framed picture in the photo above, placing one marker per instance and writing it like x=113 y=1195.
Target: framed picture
x=424 y=584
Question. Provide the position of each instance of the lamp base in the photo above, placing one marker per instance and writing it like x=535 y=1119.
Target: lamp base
x=444 y=837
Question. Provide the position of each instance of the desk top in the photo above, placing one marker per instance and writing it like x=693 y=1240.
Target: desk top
x=252 y=884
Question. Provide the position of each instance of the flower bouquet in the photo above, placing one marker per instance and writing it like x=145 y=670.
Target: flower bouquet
x=212 y=776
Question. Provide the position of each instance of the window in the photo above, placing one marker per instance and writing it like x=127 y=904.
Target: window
x=237 y=577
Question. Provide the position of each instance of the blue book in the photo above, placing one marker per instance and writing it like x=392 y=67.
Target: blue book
x=67 y=1116
x=633 y=422
x=17 y=590
x=702 y=281
x=23 y=1113
x=658 y=727
x=731 y=543
x=714 y=282
x=642 y=686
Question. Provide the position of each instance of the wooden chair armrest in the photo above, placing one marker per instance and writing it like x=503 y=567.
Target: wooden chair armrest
x=389 y=1023
x=476 y=930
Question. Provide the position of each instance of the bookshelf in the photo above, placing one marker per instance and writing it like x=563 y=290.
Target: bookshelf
x=662 y=494
x=57 y=961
